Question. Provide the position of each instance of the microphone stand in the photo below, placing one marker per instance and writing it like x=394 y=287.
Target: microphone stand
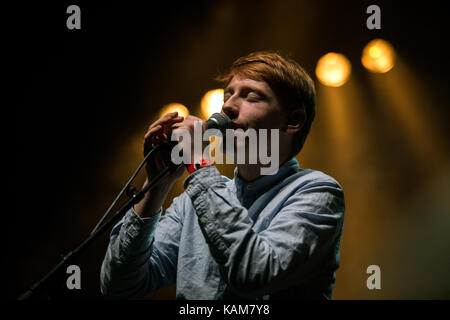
x=135 y=197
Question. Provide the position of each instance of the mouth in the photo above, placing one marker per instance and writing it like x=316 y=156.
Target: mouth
x=235 y=126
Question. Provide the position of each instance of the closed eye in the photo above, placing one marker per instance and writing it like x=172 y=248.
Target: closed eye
x=254 y=97
x=227 y=94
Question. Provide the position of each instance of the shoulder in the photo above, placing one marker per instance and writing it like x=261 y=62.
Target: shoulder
x=318 y=189
x=310 y=176
x=317 y=193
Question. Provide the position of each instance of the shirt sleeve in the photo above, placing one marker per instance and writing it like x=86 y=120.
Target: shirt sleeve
x=137 y=261
x=291 y=249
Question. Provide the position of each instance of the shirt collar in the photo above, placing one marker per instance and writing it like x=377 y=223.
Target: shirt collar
x=251 y=190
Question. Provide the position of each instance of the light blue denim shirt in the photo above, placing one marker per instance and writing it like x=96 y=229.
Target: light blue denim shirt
x=276 y=237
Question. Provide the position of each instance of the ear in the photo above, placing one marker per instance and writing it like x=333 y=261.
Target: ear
x=296 y=120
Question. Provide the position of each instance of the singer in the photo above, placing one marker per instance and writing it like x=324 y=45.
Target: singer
x=253 y=237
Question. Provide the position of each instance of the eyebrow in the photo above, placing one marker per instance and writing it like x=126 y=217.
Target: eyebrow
x=227 y=89
x=246 y=88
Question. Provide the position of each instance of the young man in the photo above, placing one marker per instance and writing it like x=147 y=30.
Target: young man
x=255 y=236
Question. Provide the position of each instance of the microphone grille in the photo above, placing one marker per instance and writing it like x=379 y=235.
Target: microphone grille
x=219 y=120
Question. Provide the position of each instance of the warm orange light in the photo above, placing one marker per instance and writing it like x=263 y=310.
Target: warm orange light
x=378 y=56
x=333 y=69
x=212 y=102
x=172 y=107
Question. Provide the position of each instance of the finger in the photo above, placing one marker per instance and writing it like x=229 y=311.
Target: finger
x=167 y=127
x=157 y=139
x=153 y=138
x=161 y=131
x=176 y=125
x=163 y=119
x=148 y=144
x=152 y=131
x=170 y=120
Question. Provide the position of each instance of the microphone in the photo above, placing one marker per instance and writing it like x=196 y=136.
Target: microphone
x=218 y=121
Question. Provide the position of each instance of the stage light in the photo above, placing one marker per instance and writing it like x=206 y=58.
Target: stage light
x=378 y=56
x=172 y=107
x=212 y=102
x=333 y=69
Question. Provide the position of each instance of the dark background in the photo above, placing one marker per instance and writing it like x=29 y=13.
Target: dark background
x=85 y=98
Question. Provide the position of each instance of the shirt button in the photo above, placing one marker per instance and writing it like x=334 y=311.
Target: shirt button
x=204 y=219
x=189 y=187
x=137 y=226
x=221 y=286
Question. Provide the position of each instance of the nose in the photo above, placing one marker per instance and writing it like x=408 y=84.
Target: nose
x=230 y=109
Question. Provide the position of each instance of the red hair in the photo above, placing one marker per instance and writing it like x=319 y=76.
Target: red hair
x=289 y=81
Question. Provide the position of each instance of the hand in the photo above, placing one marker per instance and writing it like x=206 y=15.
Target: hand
x=188 y=125
x=159 y=131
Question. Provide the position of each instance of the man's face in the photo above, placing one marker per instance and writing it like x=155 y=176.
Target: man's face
x=251 y=104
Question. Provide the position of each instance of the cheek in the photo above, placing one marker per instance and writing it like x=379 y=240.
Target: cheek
x=255 y=115
x=268 y=119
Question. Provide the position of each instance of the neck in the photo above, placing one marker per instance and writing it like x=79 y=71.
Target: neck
x=251 y=172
